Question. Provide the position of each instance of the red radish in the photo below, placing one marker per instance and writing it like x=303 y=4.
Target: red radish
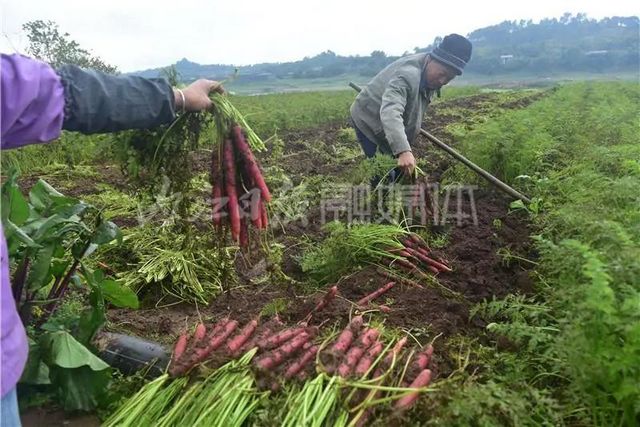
x=238 y=341
x=368 y=358
x=217 y=340
x=199 y=333
x=373 y=295
x=356 y=351
x=250 y=162
x=409 y=267
x=216 y=188
x=180 y=347
x=230 y=187
x=328 y=297
x=279 y=355
x=405 y=402
x=331 y=357
x=264 y=216
x=394 y=353
x=343 y=342
x=432 y=262
x=277 y=339
x=244 y=233
x=300 y=363
x=384 y=309
x=418 y=240
x=266 y=332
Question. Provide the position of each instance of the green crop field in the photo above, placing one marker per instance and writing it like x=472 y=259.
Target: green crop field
x=534 y=321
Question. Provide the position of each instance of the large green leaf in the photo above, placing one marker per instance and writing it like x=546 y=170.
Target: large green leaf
x=80 y=389
x=48 y=229
x=66 y=352
x=14 y=205
x=14 y=234
x=106 y=232
x=90 y=321
x=118 y=294
x=39 y=271
x=43 y=195
x=92 y=318
x=35 y=371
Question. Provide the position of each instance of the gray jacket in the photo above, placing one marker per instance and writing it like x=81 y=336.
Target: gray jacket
x=97 y=102
x=390 y=109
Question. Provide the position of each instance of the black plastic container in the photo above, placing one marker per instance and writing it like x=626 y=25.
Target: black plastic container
x=131 y=354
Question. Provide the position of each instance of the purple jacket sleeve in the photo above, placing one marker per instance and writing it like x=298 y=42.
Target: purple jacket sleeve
x=32 y=102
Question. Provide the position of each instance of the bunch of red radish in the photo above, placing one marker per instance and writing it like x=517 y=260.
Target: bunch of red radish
x=415 y=254
x=356 y=349
x=238 y=184
x=225 y=341
x=290 y=353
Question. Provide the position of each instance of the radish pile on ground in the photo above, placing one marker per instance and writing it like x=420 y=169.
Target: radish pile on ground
x=281 y=354
x=400 y=253
x=414 y=257
x=355 y=369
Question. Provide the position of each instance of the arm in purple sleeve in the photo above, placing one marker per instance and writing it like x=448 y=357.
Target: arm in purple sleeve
x=38 y=101
x=32 y=102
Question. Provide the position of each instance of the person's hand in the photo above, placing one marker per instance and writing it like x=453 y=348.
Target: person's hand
x=196 y=95
x=407 y=162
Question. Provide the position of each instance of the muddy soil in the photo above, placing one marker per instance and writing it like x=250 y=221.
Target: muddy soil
x=479 y=273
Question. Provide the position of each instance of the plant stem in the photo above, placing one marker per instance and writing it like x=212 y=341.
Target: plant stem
x=19 y=278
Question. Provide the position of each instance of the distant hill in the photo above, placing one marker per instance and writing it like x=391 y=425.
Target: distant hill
x=572 y=43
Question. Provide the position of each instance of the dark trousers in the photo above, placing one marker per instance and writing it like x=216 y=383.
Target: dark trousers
x=370 y=149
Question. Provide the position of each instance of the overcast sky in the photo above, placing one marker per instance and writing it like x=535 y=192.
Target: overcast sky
x=140 y=34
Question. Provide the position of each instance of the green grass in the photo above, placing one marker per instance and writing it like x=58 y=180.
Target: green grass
x=268 y=114
x=70 y=149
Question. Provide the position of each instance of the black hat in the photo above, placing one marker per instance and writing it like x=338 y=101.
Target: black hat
x=454 y=51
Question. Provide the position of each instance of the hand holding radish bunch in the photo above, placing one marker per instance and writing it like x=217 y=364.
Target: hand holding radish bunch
x=195 y=97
